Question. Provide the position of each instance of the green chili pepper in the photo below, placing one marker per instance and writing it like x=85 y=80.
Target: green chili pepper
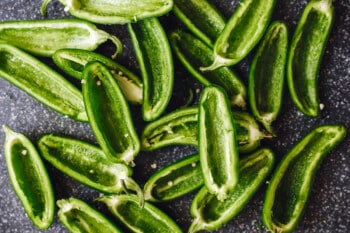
x=41 y=82
x=290 y=185
x=305 y=55
x=242 y=32
x=44 y=37
x=72 y=61
x=87 y=164
x=29 y=178
x=109 y=114
x=210 y=213
x=181 y=128
x=78 y=216
x=201 y=18
x=113 y=12
x=217 y=142
x=174 y=180
x=155 y=59
x=136 y=218
x=266 y=77
x=193 y=54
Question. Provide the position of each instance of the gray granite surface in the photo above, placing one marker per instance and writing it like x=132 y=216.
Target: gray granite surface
x=328 y=209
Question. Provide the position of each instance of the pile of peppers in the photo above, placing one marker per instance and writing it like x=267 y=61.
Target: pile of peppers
x=227 y=123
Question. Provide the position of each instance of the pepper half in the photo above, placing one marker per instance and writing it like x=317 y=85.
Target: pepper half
x=242 y=32
x=217 y=142
x=87 y=164
x=44 y=37
x=29 y=178
x=78 y=216
x=41 y=82
x=113 y=12
x=109 y=114
x=305 y=55
x=291 y=182
x=137 y=218
x=266 y=76
x=210 y=213
x=155 y=59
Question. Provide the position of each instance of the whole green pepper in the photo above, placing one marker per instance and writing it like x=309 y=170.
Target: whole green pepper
x=217 y=142
x=78 y=216
x=137 y=218
x=242 y=32
x=44 y=37
x=210 y=213
x=109 y=114
x=305 y=55
x=29 y=178
x=156 y=63
x=41 y=82
x=291 y=182
x=113 y=12
x=266 y=76
x=202 y=18
x=194 y=54
x=72 y=61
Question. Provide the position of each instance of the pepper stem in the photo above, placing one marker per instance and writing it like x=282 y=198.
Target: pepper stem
x=130 y=185
x=195 y=226
x=43 y=7
x=219 y=61
x=117 y=42
x=269 y=129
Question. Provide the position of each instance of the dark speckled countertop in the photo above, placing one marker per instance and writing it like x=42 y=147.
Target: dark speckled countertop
x=328 y=209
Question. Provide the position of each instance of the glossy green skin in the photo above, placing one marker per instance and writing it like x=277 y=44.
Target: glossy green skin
x=210 y=214
x=266 y=76
x=242 y=32
x=44 y=37
x=78 y=216
x=72 y=61
x=114 y=12
x=174 y=180
x=202 y=18
x=305 y=55
x=137 y=218
x=29 y=178
x=181 y=128
x=85 y=163
x=193 y=54
x=109 y=114
x=217 y=142
x=290 y=185
x=41 y=82
x=156 y=63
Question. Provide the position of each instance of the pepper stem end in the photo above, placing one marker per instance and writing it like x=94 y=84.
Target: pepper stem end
x=131 y=185
x=195 y=227
x=218 y=62
x=43 y=7
x=118 y=44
